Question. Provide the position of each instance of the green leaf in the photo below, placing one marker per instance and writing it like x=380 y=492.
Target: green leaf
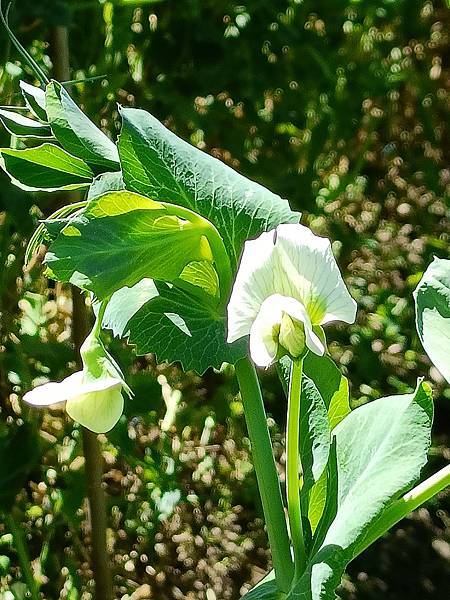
x=76 y=133
x=35 y=100
x=47 y=168
x=315 y=437
x=22 y=126
x=381 y=448
x=432 y=297
x=173 y=324
x=157 y=163
x=140 y=238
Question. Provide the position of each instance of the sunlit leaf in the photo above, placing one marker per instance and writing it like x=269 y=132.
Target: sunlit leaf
x=139 y=238
x=47 y=168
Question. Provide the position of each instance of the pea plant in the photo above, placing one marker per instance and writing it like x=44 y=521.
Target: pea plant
x=191 y=261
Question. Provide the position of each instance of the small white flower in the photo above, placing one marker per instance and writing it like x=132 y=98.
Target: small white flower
x=287 y=286
x=93 y=397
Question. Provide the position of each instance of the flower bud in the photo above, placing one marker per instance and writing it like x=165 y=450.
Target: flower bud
x=292 y=336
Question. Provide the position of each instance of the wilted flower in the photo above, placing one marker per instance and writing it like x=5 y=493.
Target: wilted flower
x=287 y=286
x=93 y=397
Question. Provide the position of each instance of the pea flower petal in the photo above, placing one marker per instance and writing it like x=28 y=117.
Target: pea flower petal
x=93 y=397
x=288 y=282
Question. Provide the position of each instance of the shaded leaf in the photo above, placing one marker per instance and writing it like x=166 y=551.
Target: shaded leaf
x=19 y=453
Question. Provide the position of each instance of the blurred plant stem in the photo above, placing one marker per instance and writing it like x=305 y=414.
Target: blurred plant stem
x=80 y=329
x=266 y=472
x=15 y=527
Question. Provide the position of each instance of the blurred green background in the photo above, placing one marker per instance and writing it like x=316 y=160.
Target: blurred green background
x=340 y=106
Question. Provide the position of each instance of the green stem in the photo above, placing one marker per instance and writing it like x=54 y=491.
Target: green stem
x=22 y=554
x=294 y=468
x=399 y=509
x=99 y=319
x=266 y=472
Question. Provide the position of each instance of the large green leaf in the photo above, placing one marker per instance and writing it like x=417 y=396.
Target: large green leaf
x=432 y=297
x=122 y=237
x=22 y=126
x=173 y=324
x=76 y=133
x=47 y=167
x=380 y=450
x=157 y=163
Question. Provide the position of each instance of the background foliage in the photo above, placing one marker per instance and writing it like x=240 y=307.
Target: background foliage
x=340 y=106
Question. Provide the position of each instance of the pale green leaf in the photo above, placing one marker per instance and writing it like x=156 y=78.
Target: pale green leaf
x=76 y=133
x=47 y=167
x=432 y=297
x=332 y=385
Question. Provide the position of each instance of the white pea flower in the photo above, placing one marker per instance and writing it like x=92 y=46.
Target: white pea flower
x=93 y=397
x=287 y=286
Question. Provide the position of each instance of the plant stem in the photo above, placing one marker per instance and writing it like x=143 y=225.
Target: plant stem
x=22 y=554
x=402 y=507
x=294 y=468
x=266 y=472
